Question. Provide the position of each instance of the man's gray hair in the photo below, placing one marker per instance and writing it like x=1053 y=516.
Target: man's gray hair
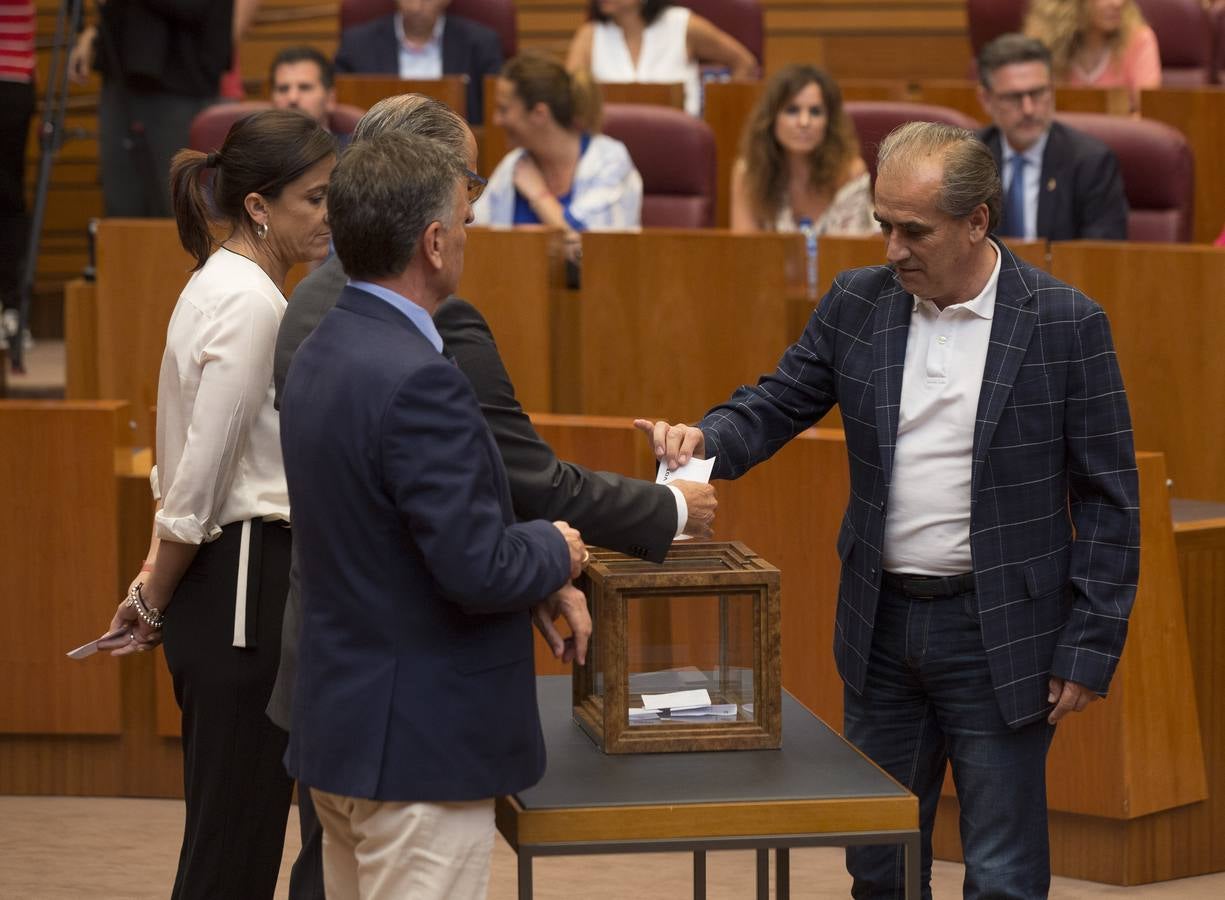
x=384 y=193
x=417 y=115
x=970 y=177
x=1010 y=49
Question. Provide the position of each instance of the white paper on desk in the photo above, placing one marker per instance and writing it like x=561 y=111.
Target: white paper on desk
x=676 y=700
x=695 y=470
x=642 y=714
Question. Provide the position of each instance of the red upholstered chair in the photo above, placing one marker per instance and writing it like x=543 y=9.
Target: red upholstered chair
x=211 y=125
x=875 y=119
x=496 y=14
x=988 y=19
x=1184 y=36
x=675 y=154
x=1158 y=171
x=742 y=19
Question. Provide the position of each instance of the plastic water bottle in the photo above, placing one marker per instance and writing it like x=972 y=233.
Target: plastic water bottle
x=810 y=251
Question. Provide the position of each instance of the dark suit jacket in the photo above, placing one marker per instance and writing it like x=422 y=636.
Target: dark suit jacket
x=1081 y=191
x=613 y=511
x=1054 y=523
x=417 y=680
x=467 y=49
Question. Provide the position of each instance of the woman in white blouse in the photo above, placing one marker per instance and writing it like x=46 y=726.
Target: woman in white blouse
x=799 y=160
x=561 y=172
x=652 y=41
x=214 y=583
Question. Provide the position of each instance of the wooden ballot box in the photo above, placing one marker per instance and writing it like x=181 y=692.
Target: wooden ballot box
x=705 y=622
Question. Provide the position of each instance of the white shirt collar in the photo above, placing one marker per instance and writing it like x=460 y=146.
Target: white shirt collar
x=982 y=305
x=1033 y=156
x=404 y=44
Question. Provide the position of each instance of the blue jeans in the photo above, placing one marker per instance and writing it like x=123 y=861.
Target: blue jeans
x=929 y=700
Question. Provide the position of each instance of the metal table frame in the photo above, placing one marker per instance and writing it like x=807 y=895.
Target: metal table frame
x=547 y=821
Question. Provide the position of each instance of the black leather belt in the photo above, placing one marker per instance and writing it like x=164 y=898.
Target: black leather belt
x=928 y=587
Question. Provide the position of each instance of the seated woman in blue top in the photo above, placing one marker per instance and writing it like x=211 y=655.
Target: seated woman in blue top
x=561 y=173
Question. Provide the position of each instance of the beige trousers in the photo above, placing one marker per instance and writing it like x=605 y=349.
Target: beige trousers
x=374 y=850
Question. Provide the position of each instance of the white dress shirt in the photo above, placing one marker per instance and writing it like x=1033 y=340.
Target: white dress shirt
x=927 y=524
x=1033 y=178
x=423 y=61
x=218 y=434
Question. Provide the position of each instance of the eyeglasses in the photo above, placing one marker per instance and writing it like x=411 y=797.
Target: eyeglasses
x=1016 y=98
x=476 y=185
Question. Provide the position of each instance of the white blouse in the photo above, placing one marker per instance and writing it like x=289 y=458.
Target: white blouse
x=606 y=191
x=848 y=213
x=663 y=58
x=218 y=435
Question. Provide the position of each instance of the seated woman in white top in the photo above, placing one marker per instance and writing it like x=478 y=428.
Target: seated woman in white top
x=799 y=159
x=214 y=582
x=651 y=41
x=560 y=173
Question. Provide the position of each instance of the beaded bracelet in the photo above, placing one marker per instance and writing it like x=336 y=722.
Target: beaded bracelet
x=151 y=617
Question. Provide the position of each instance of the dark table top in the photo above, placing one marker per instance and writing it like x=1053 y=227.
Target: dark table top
x=814 y=763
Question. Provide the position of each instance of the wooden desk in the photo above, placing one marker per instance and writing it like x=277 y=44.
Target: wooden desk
x=79 y=511
x=366 y=90
x=1168 y=329
x=675 y=319
x=817 y=790
x=727 y=108
x=527 y=311
x=1199 y=113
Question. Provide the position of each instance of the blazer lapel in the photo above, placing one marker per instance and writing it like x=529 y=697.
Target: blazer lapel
x=1012 y=324
x=386 y=51
x=1053 y=157
x=891 y=329
x=452 y=49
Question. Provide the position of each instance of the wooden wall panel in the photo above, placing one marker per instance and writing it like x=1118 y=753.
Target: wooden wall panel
x=1168 y=333
x=519 y=309
x=80 y=341
x=675 y=323
x=57 y=564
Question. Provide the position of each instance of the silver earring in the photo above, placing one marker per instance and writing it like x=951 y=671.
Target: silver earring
x=261 y=230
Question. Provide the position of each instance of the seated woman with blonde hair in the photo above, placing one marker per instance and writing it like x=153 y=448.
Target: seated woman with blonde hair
x=799 y=159
x=653 y=41
x=1098 y=43
x=561 y=172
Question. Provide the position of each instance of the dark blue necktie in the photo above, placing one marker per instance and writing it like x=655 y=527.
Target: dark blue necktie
x=1014 y=203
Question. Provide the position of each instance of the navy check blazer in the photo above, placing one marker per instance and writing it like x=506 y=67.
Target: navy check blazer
x=1054 y=518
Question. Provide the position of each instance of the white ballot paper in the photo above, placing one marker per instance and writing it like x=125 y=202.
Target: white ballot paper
x=695 y=470
x=695 y=703
x=677 y=700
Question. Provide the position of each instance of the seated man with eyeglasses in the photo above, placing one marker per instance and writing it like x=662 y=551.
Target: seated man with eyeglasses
x=1059 y=184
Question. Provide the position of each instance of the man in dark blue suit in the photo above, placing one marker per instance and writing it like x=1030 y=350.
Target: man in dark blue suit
x=990 y=546
x=1059 y=183
x=421 y=41
x=415 y=702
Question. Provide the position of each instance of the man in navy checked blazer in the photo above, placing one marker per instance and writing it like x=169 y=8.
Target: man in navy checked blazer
x=990 y=546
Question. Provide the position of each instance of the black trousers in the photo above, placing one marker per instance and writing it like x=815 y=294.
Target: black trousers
x=16 y=108
x=235 y=786
x=306 y=878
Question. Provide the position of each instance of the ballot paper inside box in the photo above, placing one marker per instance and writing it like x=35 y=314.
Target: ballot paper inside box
x=684 y=655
